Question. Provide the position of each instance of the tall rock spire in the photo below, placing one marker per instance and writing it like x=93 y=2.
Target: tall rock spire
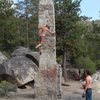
x=47 y=63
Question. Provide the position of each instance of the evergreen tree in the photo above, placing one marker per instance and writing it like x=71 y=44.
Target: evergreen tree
x=27 y=13
x=67 y=14
x=6 y=25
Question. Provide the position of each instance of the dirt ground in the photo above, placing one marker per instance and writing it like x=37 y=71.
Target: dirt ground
x=73 y=91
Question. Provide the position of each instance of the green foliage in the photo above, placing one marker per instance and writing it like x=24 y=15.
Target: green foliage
x=86 y=63
x=67 y=14
x=86 y=43
x=27 y=13
x=98 y=64
x=18 y=24
x=6 y=87
x=6 y=24
x=79 y=35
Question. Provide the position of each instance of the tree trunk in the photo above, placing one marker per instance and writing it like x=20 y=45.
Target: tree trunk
x=64 y=64
x=27 y=34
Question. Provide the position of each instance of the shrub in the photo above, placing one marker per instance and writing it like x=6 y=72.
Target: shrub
x=86 y=63
x=6 y=87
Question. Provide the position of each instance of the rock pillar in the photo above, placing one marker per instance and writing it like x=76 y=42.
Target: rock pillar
x=47 y=62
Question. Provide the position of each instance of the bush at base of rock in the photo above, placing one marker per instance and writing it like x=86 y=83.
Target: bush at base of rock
x=6 y=87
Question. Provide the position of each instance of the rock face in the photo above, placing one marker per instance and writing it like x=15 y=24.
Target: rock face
x=23 y=66
x=96 y=76
x=2 y=58
x=96 y=81
x=47 y=62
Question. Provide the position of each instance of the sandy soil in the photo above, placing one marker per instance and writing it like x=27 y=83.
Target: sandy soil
x=73 y=90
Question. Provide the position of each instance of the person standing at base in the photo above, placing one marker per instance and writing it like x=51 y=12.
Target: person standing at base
x=88 y=86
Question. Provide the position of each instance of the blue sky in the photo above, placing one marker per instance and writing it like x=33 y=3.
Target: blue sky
x=91 y=8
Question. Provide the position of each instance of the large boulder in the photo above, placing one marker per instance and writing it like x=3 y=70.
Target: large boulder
x=20 y=51
x=23 y=66
x=2 y=58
